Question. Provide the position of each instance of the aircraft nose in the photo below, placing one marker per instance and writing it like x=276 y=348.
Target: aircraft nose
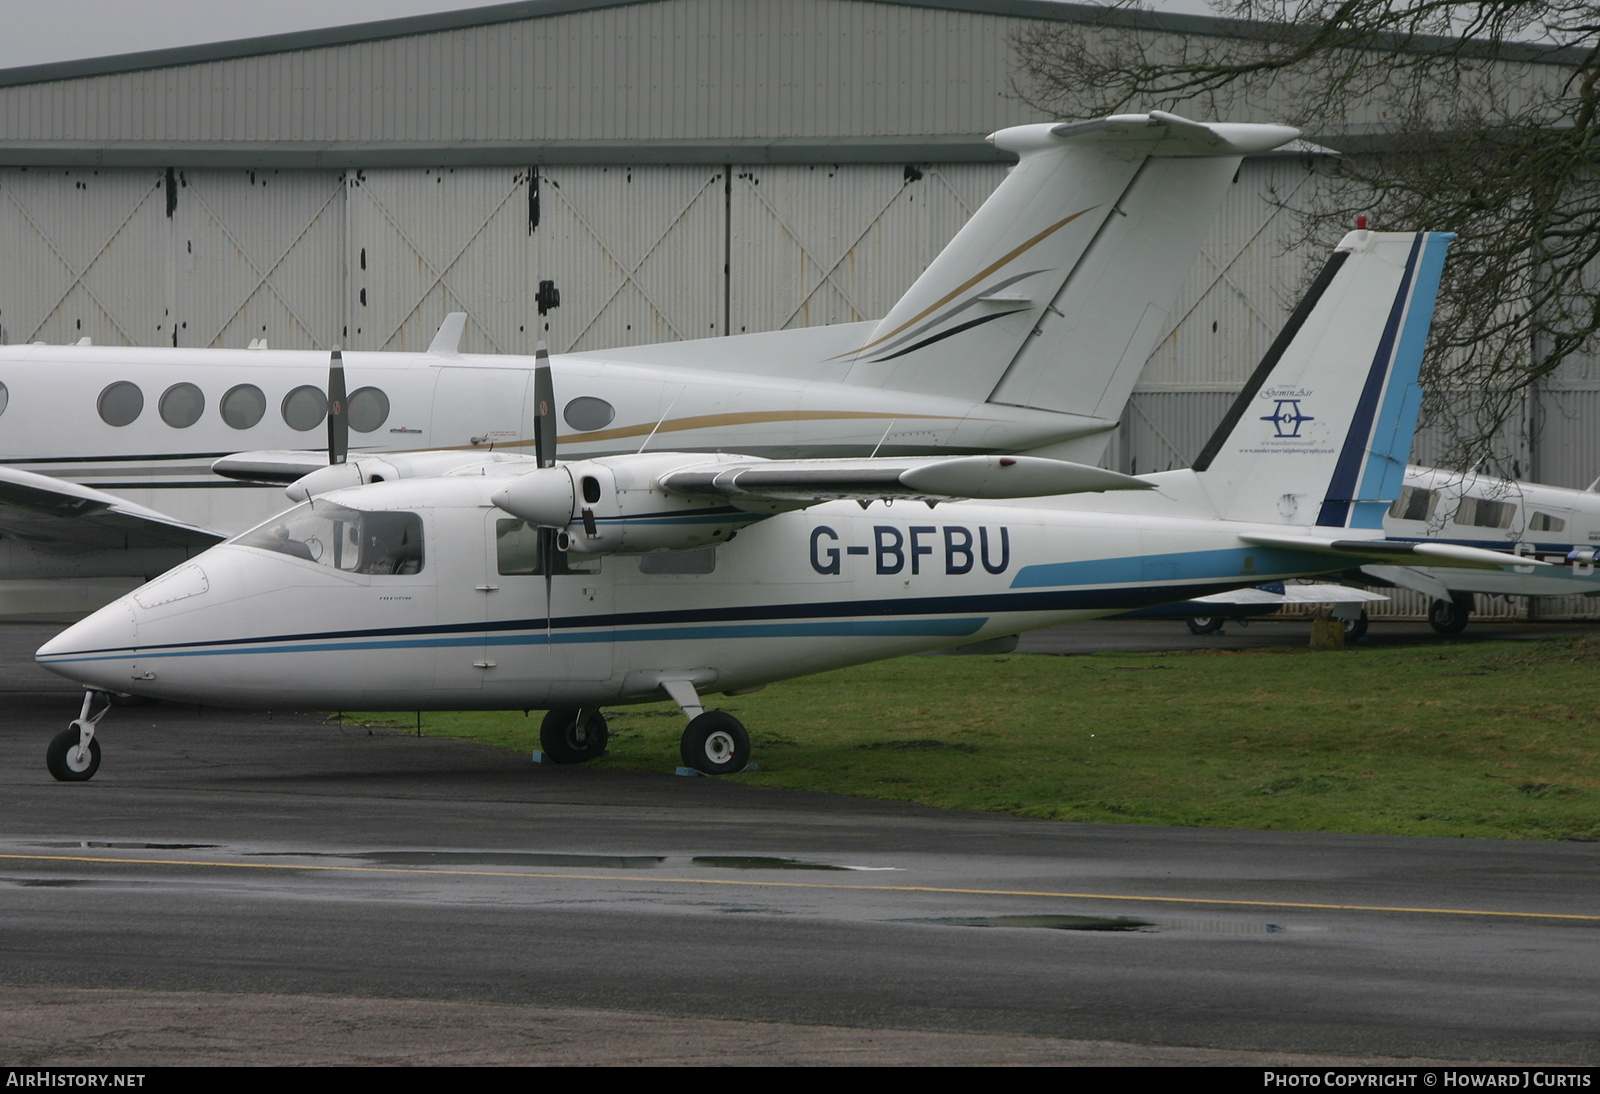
x=97 y=651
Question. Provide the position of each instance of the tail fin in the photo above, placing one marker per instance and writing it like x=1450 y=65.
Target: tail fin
x=1055 y=292
x=1322 y=431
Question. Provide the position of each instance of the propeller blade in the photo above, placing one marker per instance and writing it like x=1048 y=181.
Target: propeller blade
x=544 y=418
x=338 y=421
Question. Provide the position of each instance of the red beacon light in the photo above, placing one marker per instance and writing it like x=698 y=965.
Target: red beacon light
x=1361 y=222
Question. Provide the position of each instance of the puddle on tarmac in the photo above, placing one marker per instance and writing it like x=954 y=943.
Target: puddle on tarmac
x=1115 y=923
x=85 y=844
x=1048 y=922
x=757 y=862
x=481 y=858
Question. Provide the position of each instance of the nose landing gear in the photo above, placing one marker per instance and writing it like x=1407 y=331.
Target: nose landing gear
x=74 y=754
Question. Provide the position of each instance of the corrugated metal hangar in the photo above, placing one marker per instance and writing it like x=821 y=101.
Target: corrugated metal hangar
x=676 y=168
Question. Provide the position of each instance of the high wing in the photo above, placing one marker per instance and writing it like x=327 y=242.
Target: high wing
x=808 y=482
x=1433 y=554
x=63 y=518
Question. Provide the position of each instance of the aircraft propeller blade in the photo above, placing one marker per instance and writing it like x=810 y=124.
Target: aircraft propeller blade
x=544 y=398
x=338 y=420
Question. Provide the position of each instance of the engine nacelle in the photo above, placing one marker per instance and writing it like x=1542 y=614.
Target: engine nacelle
x=600 y=507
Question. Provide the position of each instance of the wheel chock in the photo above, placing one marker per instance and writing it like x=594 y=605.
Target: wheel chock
x=691 y=773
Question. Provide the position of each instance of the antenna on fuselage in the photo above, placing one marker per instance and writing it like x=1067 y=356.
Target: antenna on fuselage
x=338 y=420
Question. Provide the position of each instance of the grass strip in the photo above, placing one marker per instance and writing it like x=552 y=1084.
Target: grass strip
x=1484 y=740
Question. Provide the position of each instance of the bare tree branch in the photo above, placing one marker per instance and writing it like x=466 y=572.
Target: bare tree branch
x=1481 y=119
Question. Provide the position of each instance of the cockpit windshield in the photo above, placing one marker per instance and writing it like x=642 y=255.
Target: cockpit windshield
x=346 y=539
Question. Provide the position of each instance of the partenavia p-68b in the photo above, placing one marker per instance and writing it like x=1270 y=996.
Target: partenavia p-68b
x=519 y=582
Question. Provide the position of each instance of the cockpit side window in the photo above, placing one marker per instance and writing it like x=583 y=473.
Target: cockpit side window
x=345 y=539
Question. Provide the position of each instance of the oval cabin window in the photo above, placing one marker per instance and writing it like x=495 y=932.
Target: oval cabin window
x=181 y=405
x=586 y=412
x=121 y=403
x=243 y=406
x=368 y=409
x=304 y=408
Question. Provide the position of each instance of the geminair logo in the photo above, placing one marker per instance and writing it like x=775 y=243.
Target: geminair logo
x=1287 y=417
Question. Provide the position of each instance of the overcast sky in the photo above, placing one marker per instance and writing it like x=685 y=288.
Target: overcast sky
x=37 y=31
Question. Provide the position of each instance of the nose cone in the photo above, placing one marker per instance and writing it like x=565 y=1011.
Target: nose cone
x=98 y=651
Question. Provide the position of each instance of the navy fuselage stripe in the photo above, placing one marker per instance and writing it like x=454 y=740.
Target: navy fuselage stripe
x=1342 y=487
x=978 y=604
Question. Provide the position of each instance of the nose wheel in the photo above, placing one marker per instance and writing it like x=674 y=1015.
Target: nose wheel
x=74 y=754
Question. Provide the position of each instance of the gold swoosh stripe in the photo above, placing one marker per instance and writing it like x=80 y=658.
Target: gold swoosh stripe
x=973 y=280
x=704 y=421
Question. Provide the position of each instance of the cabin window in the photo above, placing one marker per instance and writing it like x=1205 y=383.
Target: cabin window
x=345 y=539
x=703 y=561
x=1483 y=513
x=121 y=403
x=368 y=409
x=517 y=551
x=1414 y=503
x=1544 y=522
x=5 y=398
x=304 y=408
x=181 y=405
x=243 y=406
x=586 y=412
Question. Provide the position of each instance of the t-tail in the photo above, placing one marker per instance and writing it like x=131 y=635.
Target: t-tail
x=1056 y=291
x=1321 y=433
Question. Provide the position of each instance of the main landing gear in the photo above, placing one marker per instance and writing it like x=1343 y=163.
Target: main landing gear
x=1450 y=616
x=715 y=743
x=74 y=754
x=570 y=736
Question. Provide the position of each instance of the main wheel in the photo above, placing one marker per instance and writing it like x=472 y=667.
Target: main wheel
x=1356 y=629
x=1206 y=624
x=714 y=743
x=1448 y=616
x=565 y=743
x=69 y=763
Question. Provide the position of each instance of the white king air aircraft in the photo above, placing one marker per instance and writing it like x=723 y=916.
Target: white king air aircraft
x=469 y=580
x=1025 y=334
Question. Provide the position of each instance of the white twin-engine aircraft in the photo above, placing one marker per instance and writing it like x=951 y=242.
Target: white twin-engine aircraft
x=514 y=581
x=1025 y=334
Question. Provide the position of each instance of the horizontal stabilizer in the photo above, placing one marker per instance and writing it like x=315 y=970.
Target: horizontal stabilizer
x=812 y=481
x=1433 y=554
x=1318 y=593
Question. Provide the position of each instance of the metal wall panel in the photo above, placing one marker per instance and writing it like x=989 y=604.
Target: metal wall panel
x=677 y=69
x=259 y=254
x=636 y=252
x=86 y=255
x=1243 y=285
x=424 y=243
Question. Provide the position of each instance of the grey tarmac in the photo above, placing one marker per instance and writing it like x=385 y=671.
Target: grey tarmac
x=258 y=887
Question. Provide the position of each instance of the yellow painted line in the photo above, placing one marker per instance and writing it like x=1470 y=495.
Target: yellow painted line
x=428 y=871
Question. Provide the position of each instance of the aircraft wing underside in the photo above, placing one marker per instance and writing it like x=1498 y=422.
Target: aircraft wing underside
x=61 y=517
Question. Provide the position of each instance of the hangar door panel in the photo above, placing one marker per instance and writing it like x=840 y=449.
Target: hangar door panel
x=422 y=244
x=636 y=252
x=819 y=244
x=260 y=254
x=86 y=256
